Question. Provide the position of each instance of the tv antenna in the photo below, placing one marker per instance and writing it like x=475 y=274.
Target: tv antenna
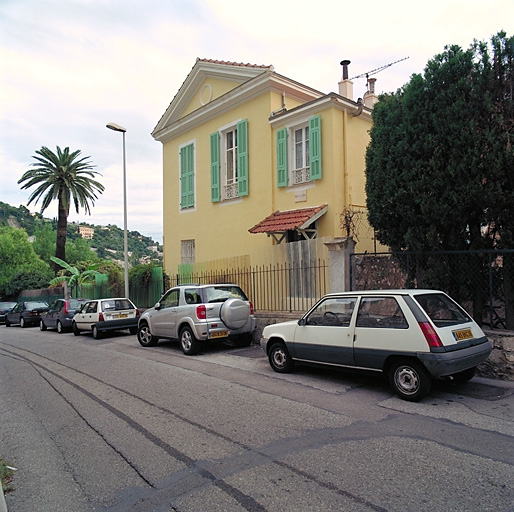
x=375 y=71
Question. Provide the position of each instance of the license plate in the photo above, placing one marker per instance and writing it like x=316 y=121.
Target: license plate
x=121 y=315
x=218 y=334
x=462 y=334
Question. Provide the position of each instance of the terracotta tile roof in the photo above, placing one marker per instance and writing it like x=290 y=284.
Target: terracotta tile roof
x=291 y=219
x=230 y=63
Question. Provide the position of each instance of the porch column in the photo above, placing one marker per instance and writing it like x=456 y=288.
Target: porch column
x=339 y=251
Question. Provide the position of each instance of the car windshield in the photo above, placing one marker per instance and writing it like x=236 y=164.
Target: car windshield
x=442 y=310
x=223 y=293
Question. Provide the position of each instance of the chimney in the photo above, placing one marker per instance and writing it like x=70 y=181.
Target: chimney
x=345 y=85
x=370 y=98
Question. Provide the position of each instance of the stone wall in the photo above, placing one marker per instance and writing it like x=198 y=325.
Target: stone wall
x=499 y=365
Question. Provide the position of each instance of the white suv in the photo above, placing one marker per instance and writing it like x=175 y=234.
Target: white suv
x=195 y=313
x=412 y=336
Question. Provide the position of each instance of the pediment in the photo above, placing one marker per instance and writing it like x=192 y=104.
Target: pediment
x=207 y=80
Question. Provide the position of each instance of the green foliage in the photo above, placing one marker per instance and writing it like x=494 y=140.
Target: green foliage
x=28 y=279
x=76 y=278
x=44 y=241
x=18 y=259
x=79 y=250
x=439 y=164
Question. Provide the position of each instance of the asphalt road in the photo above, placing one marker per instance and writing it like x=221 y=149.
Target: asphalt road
x=106 y=425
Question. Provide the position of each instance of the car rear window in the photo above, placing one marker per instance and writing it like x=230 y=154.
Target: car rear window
x=35 y=305
x=75 y=304
x=223 y=293
x=116 y=305
x=442 y=310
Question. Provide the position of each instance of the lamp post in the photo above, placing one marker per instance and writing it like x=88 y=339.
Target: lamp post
x=118 y=128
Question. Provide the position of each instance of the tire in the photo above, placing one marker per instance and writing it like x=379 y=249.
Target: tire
x=7 y=323
x=235 y=313
x=133 y=330
x=42 y=326
x=96 y=333
x=279 y=358
x=23 y=324
x=243 y=340
x=189 y=344
x=145 y=337
x=59 y=327
x=464 y=376
x=75 y=329
x=409 y=379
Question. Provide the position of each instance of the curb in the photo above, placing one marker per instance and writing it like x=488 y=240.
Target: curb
x=3 y=504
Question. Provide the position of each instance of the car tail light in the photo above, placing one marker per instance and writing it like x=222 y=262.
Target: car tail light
x=431 y=336
x=251 y=309
x=201 y=312
x=66 y=310
x=138 y=313
x=101 y=317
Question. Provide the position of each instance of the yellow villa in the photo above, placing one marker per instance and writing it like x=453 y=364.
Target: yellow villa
x=253 y=159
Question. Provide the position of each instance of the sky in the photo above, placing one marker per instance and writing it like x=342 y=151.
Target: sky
x=69 y=67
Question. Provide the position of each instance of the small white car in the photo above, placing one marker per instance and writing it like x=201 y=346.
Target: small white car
x=102 y=315
x=412 y=336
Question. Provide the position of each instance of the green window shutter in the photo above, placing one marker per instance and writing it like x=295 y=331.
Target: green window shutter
x=187 y=177
x=315 y=147
x=242 y=158
x=282 y=157
x=215 y=167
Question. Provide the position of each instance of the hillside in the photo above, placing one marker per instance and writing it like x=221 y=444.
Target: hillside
x=107 y=241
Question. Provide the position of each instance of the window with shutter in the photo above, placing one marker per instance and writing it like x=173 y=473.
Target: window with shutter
x=229 y=162
x=187 y=176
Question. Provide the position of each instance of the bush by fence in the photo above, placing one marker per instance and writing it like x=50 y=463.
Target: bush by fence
x=482 y=281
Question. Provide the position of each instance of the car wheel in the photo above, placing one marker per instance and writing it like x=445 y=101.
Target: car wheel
x=133 y=330
x=23 y=324
x=42 y=325
x=464 y=376
x=145 y=337
x=75 y=329
x=96 y=333
x=7 y=323
x=279 y=358
x=244 y=340
x=59 y=327
x=409 y=379
x=190 y=345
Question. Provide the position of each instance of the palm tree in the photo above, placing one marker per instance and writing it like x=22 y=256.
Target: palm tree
x=61 y=176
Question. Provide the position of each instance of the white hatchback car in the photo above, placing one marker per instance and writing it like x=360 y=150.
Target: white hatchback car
x=412 y=336
x=102 y=315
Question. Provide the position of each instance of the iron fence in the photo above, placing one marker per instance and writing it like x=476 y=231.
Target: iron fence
x=481 y=281
x=275 y=287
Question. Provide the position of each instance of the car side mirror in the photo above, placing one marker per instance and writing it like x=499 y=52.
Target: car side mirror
x=157 y=305
x=301 y=321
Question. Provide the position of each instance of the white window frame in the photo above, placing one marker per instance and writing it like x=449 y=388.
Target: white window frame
x=228 y=186
x=298 y=175
x=187 y=251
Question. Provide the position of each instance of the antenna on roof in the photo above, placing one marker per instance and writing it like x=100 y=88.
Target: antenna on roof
x=375 y=71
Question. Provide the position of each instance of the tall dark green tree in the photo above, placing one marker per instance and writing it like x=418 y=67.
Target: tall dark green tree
x=440 y=164
x=63 y=176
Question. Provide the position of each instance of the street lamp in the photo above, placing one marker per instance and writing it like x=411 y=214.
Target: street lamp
x=118 y=128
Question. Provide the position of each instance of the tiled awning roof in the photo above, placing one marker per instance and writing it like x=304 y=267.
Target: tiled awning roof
x=279 y=222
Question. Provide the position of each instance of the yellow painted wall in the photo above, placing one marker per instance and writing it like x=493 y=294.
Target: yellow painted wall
x=220 y=230
x=210 y=89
